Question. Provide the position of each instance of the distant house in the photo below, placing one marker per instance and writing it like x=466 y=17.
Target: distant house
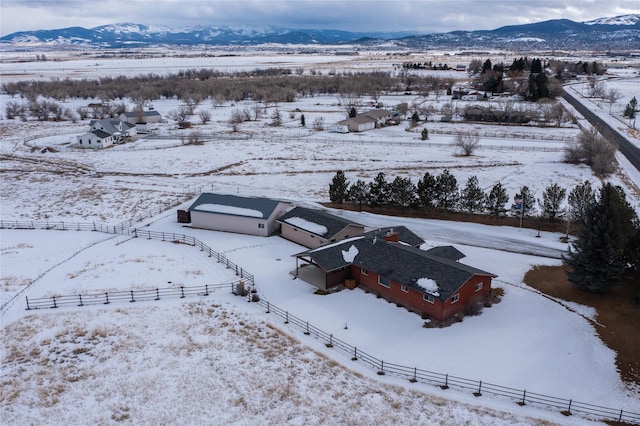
x=231 y=213
x=106 y=132
x=148 y=116
x=430 y=282
x=313 y=228
x=141 y=118
x=366 y=121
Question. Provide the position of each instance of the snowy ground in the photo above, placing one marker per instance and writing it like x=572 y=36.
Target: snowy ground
x=144 y=363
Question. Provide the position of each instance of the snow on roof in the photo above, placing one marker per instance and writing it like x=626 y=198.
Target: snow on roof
x=307 y=225
x=429 y=285
x=349 y=255
x=237 y=211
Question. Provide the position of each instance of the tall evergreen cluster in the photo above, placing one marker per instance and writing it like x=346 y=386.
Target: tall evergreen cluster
x=608 y=247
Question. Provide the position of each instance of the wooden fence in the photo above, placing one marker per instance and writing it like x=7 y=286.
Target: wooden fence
x=106 y=298
x=134 y=233
x=446 y=381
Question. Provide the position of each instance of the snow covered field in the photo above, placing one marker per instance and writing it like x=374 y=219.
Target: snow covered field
x=221 y=360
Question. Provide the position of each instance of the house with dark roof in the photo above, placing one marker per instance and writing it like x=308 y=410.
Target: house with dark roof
x=430 y=282
x=313 y=227
x=232 y=213
x=106 y=132
x=140 y=119
x=366 y=121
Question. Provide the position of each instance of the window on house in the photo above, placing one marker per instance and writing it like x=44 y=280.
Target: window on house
x=455 y=298
x=404 y=288
x=384 y=281
x=261 y=225
x=427 y=298
x=479 y=286
x=364 y=271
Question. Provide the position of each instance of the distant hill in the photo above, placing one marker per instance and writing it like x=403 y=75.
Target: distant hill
x=614 y=33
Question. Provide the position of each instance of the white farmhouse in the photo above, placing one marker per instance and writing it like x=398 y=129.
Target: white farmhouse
x=106 y=132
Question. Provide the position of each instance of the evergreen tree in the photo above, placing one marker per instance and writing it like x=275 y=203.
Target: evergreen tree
x=402 y=192
x=359 y=193
x=425 y=134
x=353 y=112
x=302 y=121
x=527 y=205
x=426 y=191
x=472 y=196
x=496 y=201
x=486 y=66
x=602 y=252
x=580 y=198
x=446 y=194
x=552 y=198
x=378 y=191
x=338 y=188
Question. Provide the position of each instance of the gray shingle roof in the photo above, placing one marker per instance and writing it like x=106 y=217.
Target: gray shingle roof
x=404 y=234
x=264 y=205
x=334 y=224
x=400 y=263
x=447 y=252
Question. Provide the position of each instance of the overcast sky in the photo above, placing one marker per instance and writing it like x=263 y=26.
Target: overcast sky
x=352 y=15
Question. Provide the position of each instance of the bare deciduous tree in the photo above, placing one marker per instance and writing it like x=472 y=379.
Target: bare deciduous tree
x=466 y=142
x=205 y=116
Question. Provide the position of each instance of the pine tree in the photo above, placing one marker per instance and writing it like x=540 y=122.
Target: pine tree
x=338 y=188
x=426 y=191
x=302 y=121
x=472 y=196
x=496 y=201
x=402 y=192
x=580 y=198
x=552 y=198
x=359 y=193
x=528 y=205
x=378 y=191
x=602 y=252
x=446 y=194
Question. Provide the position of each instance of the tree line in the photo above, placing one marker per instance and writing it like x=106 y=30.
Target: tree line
x=442 y=192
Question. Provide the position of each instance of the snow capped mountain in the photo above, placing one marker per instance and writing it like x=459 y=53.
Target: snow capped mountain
x=616 y=20
x=613 y=33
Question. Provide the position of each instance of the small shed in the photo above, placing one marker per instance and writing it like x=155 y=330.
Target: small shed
x=232 y=213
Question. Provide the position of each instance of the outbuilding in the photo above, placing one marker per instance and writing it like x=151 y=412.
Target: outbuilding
x=232 y=213
x=313 y=227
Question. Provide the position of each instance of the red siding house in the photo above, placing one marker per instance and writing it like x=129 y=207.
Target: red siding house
x=430 y=282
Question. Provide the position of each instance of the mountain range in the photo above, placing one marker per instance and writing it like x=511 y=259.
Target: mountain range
x=604 y=34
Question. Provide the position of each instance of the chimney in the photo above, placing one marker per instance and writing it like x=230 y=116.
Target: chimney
x=391 y=236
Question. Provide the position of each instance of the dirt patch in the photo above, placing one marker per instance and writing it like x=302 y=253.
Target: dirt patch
x=618 y=319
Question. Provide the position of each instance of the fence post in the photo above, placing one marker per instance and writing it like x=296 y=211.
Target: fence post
x=446 y=382
x=620 y=417
x=54 y=302
x=106 y=295
x=479 y=391
x=28 y=308
x=157 y=293
x=206 y=289
x=524 y=395
x=330 y=344
x=132 y=299
x=286 y=318
x=567 y=412
x=415 y=373
x=307 y=329
x=63 y=228
x=182 y=292
x=268 y=307
x=381 y=372
x=80 y=296
x=355 y=354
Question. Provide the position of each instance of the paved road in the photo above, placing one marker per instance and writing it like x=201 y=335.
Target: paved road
x=624 y=146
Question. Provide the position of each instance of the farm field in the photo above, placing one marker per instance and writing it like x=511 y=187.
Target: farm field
x=222 y=360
